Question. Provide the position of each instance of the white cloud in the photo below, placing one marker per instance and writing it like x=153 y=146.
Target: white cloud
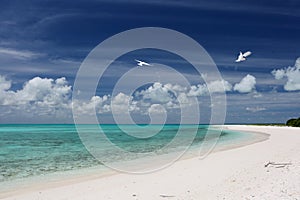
x=278 y=74
x=96 y=104
x=156 y=109
x=157 y=93
x=183 y=98
x=257 y=95
x=176 y=96
x=46 y=91
x=198 y=90
x=292 y=74
x=168 y=95
x=4 y=84
x=123 y=103
x=255 y=109
x=217 y=86
x=246 y=85
x=38 y=95
x=65 y=61
x=19 y=54
x=175 y=88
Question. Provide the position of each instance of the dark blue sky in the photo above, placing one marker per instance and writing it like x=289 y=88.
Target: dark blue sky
x=51 y=38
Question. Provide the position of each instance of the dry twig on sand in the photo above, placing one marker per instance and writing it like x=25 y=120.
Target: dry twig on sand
x=278 y=165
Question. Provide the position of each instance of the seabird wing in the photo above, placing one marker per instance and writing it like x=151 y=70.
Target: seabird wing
x=144 y=63
x=246 y=54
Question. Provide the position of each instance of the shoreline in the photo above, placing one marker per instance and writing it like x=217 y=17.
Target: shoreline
x=87 y=180
x=61 y=178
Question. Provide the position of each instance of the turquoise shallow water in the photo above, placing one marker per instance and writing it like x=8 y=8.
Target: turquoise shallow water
x=33 y=150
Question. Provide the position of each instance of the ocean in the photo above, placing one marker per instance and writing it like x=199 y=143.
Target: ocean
x=35 y=150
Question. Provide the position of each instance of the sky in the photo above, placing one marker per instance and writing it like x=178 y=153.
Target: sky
x=43 y=44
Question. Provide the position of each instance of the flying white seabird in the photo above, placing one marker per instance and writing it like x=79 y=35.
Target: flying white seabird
x=142 y=63
x=242 y=56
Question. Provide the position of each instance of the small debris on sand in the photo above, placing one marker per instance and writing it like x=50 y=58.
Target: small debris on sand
x=166 y=196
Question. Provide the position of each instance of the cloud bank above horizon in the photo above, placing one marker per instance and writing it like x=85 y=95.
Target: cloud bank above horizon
x=52 y=98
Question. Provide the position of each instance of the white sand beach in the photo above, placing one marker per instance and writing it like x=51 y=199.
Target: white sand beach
x=239 y=173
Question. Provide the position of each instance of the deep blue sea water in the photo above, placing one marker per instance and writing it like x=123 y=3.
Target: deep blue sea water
x=33 y=150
